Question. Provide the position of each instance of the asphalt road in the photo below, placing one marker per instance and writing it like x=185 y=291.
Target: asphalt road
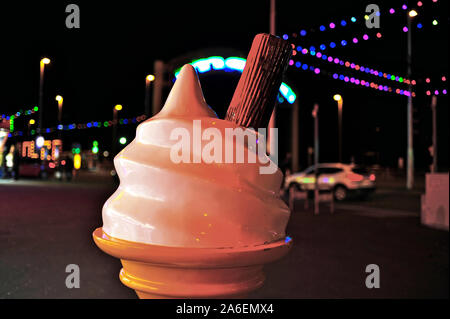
x=46 y=226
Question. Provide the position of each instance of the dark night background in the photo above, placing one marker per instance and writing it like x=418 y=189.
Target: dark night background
x=105 y=63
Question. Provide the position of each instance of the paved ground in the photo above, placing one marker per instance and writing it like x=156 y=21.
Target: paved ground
x=45 y=226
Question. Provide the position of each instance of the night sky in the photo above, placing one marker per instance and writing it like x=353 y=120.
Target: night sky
x=105 y=62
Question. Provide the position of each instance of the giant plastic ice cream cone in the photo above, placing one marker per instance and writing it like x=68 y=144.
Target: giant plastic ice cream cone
x=185 y=227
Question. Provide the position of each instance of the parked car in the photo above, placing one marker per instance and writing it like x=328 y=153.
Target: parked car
x=34 y=168
x=341 y=179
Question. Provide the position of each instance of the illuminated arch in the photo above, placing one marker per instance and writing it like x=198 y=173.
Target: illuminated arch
x=215 y=63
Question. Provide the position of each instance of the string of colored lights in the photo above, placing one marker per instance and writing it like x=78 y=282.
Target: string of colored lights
x=81 y=126
x=334 y=26
x=352 y=65
x=333 y=44
x=354 y=40
x=19 y=113
x=435 y=91
x=318 y=52
x=331 y=26
x=353 y=80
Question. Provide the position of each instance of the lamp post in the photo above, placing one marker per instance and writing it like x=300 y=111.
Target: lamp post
x=338 y=98
x=410 y=148
x=159 y=68
x=295 y=137
x=59 y=99
x=30 y=122
x=271 y=143
x=116 y=109
x=315 y=114
x=148 y=79
x=43 y=62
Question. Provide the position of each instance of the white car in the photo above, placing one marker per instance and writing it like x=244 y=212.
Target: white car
x=340 y=178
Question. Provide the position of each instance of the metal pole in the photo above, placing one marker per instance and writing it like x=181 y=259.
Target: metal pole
x=114 y=133
x=271 y=142
x=410 y=149
x=340 y=104
x=272 y=16
x=60 y=105
x=294 y=138
x=435 y=146
x=316 y=158
x=147 y=98
x=158 y=84
x=41 y=96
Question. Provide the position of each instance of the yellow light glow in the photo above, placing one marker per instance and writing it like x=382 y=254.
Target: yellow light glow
x=77 y=161
x=32 y=122
x=58 y=98
x=45 y=61
x=118 y=107
x=150 y=77
x=412 y=13
x=337 y=97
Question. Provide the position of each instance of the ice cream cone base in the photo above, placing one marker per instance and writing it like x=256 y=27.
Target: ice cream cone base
x=183 y=272
x=155 y=281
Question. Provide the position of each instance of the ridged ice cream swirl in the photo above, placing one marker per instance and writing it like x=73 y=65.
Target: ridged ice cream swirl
x=191 y=204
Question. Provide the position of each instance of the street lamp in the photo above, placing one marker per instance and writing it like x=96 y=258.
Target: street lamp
x=412 y=13
x=410 y=149
x=43 y=62
x=30 y=122
x=59 y=99
x=340 y=102
x=148 y=79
